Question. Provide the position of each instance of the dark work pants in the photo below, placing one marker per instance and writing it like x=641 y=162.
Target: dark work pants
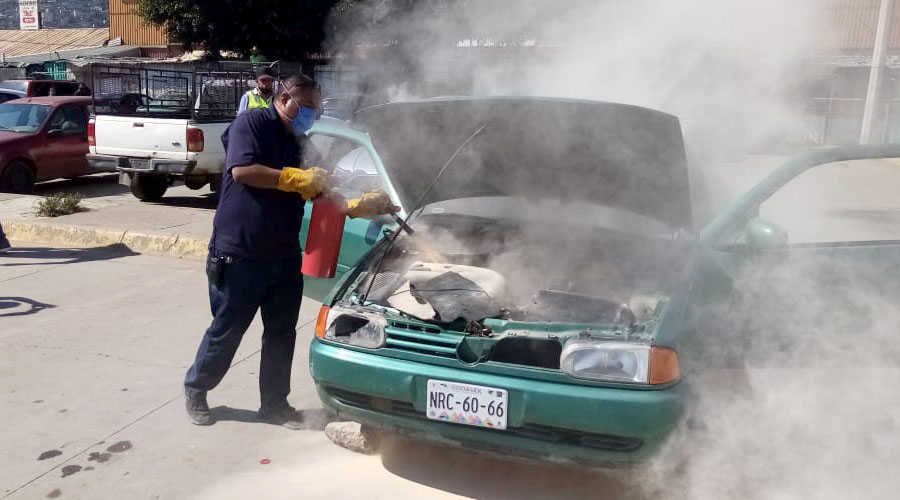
x=275 y=288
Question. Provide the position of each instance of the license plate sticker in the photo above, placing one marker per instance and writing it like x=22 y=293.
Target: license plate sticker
x=467 y=404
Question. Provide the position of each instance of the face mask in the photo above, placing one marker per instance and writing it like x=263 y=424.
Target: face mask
x=303 y=121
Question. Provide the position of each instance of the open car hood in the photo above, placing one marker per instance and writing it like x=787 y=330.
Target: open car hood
x=608 y=154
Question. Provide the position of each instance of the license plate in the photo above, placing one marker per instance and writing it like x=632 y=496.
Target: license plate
x=467 y=404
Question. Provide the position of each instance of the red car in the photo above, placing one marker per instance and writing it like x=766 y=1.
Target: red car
x=42 y=138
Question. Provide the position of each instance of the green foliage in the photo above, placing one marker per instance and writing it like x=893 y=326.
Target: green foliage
x=280 y=29
x=59 y=204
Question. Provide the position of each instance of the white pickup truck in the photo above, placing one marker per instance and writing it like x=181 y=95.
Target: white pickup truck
x=157 y=127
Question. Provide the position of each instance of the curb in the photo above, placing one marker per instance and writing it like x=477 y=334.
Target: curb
x=86 y=237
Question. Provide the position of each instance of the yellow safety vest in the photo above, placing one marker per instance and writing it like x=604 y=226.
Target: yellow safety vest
x=256 y=101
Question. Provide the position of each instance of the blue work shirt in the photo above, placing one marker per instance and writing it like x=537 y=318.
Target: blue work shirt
x=251 y=223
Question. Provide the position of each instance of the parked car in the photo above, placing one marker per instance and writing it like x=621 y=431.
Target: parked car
x=554 y=302
x=168 y=129
x=42 y=138
x=8 y=96
x=39 y=88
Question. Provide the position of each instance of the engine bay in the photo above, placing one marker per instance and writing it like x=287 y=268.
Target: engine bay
x=468 y=269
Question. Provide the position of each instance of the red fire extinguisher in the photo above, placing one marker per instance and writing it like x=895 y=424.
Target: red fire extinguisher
x=323 y=241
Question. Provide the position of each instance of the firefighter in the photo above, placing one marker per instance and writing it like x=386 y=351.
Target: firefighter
x=254 y=253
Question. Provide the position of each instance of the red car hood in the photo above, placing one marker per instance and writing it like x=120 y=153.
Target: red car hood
x=6 y=137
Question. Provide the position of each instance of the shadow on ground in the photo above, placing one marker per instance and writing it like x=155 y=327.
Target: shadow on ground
x=91 y=186
x=205 y=201
x=473 y=475
x=58 y=256
x=314 y=419
x=21 y=306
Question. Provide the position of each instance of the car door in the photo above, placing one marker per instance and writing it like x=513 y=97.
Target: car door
x=805 y=268
x=66 y=143
x=336 y=151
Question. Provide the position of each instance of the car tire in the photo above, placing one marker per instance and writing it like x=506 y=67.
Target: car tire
x=17 y=177
x=195 y=183
x=149 y=187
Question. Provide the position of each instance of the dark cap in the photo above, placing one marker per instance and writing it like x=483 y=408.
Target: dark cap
x=265 y=72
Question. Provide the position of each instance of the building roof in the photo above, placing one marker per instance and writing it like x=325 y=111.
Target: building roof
x=77 y=55
x=23 y=42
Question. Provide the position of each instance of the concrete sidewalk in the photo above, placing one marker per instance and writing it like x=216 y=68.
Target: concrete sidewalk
x=179 y=225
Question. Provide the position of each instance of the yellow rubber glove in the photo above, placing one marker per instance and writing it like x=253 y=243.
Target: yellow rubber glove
x=370 y=205
x=310 y=182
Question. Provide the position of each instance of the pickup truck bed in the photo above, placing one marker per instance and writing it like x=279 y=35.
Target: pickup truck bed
x=150 y=153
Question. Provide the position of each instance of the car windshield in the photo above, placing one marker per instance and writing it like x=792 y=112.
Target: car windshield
x=23 y=118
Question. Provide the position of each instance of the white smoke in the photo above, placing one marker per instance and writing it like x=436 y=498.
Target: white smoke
x=810 y=410
x=728 y=69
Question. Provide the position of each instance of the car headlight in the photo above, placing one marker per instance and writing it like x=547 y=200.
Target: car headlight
x=619 y=362
x=352 y=325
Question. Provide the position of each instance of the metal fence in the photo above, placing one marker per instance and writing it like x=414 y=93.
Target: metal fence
x=200 y=93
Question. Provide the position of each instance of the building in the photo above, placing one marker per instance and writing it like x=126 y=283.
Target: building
x=127 y=24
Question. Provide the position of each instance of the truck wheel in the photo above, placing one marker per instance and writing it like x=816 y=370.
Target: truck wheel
x=17 y=178
x=215 y=183
x=195 y=183
x=149 y=187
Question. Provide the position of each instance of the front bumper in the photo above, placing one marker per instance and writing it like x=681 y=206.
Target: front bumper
x=549 y=421
x=108 y=163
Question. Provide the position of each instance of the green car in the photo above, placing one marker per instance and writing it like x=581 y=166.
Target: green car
x=550 y=303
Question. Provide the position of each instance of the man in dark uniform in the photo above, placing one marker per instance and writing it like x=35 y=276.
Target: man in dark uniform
x=254 y=253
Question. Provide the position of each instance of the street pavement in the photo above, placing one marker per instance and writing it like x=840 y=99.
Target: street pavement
x=94 y=344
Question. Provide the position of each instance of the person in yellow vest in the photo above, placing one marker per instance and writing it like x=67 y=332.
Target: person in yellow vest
x=261 y=96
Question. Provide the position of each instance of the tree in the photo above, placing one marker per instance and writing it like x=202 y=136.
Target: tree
x=280 y=29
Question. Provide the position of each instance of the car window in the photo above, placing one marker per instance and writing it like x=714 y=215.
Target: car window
x=25 y=118
x=852 y=201
x=17 y=85
x=65 y=88
x=69 y=119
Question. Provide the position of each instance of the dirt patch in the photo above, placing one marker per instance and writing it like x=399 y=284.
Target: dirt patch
x=49 y=454
x=120 y=447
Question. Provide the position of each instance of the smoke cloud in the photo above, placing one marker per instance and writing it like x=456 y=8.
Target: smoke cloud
x=728 y=69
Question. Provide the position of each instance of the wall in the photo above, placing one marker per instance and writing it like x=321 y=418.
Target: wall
x=124 y=22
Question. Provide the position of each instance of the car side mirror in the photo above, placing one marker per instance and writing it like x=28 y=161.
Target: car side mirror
x=760 y=235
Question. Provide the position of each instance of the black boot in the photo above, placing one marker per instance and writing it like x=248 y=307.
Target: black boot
x=198 y=410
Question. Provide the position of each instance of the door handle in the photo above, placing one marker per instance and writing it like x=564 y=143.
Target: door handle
x=137 y=124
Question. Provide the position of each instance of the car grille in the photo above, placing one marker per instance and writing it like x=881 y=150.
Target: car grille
x=531 y=431
x=420 y=338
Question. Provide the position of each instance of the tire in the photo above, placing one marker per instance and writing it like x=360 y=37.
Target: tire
x=17 y=177
x=215 y=183
x=149 y=187
x=195 y=183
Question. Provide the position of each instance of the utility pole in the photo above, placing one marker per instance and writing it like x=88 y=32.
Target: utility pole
x=873 y=96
